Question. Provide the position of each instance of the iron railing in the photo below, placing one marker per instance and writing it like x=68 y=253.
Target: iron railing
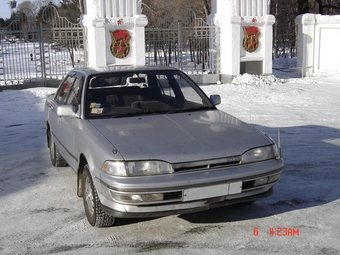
x=39 y=52
x=191 y=45
x=31 y=52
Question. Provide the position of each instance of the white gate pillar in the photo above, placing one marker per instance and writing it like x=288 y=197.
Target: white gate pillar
x=246 y=34
x=230 y=48
x=267 y=44
x=317 y=51
x=306 y=33
x=115 y=32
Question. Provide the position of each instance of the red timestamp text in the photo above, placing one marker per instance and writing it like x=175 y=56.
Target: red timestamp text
x=280 y=231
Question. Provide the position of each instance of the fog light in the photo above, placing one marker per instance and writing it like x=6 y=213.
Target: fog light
x=136 y=198
x=261 y=181
x=273 y=178
x=152 y=197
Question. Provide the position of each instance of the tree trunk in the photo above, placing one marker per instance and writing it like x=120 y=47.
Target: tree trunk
x=320 y=5
x=206 y=8
x=81 y=6
x=275 y=46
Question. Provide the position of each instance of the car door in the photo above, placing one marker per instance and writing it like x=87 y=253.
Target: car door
x=68 y=126
x=53 y=118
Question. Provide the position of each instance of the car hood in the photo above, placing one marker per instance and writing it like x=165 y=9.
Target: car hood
x=180 y=137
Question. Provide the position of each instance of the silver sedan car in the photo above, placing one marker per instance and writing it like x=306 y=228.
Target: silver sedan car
x=147 y=142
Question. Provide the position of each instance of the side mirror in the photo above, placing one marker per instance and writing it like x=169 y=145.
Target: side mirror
x=215 y=99
x=66 y=111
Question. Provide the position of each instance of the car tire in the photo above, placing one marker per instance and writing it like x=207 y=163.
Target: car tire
x=56 y=158
x=93 y=207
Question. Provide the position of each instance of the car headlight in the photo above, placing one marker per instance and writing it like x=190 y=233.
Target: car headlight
x=260 y=154
x=137 y=168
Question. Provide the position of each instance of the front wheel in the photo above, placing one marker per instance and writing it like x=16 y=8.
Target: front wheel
x=93 y=207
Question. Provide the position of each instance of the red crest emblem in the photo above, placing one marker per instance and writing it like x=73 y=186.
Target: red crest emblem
x=250 y=40
x=120 y=46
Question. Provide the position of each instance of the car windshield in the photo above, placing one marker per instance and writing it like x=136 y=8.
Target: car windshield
x=125 y=94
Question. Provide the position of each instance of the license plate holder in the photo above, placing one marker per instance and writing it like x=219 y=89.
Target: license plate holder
x=212 y=191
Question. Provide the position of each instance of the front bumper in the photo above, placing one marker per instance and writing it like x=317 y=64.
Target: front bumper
x=186 y=208
x=255 y=181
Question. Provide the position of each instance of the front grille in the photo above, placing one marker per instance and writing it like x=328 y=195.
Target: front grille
x=172 y=195
x=248 y=184
x=207 y=164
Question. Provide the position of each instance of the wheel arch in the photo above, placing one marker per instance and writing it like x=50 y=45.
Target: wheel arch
x=48 y=129
x=82 y=163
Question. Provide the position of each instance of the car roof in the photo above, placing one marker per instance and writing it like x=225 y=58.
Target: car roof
x=118 y=69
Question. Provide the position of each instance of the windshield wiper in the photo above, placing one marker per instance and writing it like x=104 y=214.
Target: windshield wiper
x=129 y=114
x=191 y=109
x=150 y=112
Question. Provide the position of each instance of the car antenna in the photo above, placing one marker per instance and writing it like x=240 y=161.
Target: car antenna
x=279 y=141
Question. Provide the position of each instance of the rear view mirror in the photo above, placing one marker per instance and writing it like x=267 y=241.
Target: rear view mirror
x=215 y=99
x=66 y=111
x=137 y=80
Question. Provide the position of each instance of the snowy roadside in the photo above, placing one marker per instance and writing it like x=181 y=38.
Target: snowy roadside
x=42 y=215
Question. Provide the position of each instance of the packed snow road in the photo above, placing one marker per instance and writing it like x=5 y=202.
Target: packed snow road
x=41 y=214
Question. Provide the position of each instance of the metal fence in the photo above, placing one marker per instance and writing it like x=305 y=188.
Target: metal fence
x=191 y=45
x=37 y=52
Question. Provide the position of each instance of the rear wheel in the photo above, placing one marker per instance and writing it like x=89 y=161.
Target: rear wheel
x=56 y=158
x=93 y=207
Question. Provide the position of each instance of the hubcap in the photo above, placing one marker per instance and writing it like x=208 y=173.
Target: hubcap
x=89 y=196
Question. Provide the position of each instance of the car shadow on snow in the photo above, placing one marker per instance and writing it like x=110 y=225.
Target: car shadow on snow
x=311 y=176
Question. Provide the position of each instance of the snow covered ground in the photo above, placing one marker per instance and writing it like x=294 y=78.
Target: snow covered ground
x=41 y=214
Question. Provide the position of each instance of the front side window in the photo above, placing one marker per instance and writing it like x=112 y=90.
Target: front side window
x=74 y=97
x=64 y=90
x=190 y=93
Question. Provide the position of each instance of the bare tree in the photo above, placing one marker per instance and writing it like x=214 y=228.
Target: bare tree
x=286 y=11
x=38 y=4
x=206 y=6
x=70 y=10
x=328 y=6
x=27 y=6
x=81 y=6
x=172 y=10
x=284 y=40
x=303 y=6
